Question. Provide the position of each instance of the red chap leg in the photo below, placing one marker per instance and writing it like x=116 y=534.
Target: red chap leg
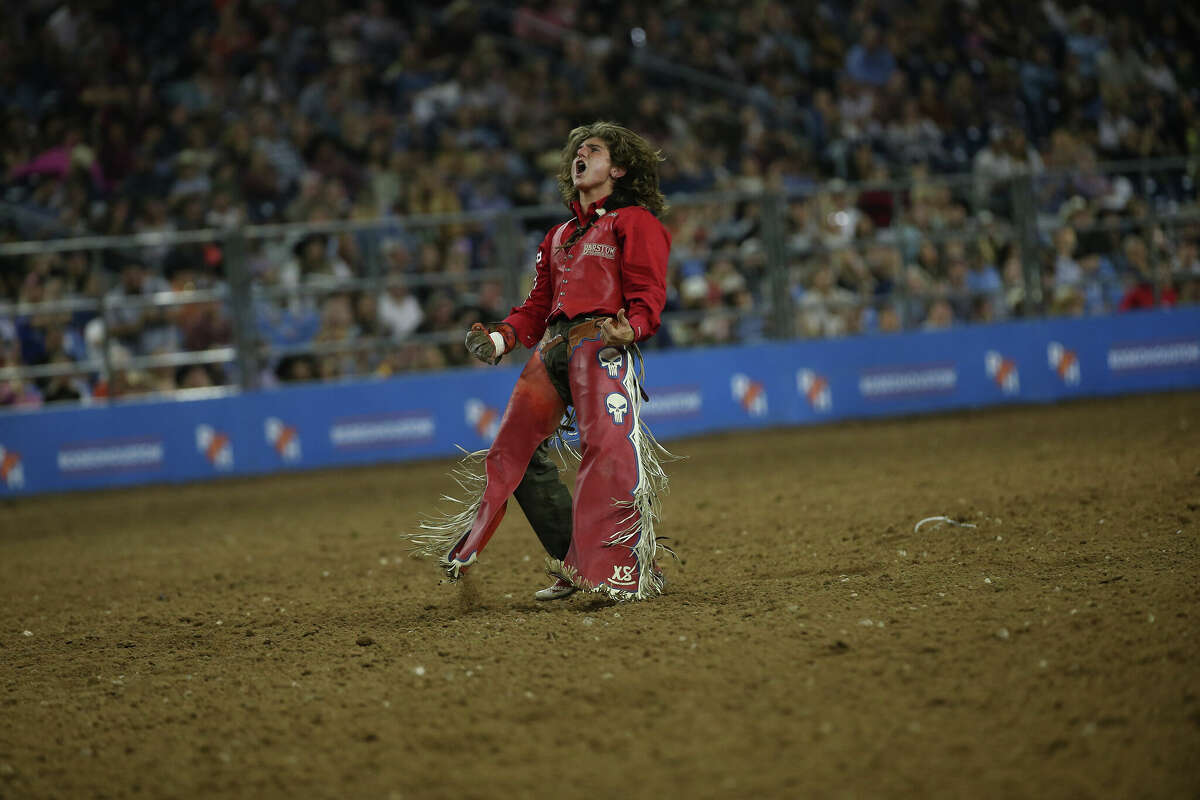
x=533 y=413
x=604 y=392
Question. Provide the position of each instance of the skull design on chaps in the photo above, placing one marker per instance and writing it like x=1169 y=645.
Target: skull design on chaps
x=608 y=476
x=610 y=359
x=618 y=407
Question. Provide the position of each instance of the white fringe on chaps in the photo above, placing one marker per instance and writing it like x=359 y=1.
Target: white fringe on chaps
x=442 y=532
x=441 y=535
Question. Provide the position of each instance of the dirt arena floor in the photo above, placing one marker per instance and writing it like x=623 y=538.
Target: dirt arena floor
x=270 y=638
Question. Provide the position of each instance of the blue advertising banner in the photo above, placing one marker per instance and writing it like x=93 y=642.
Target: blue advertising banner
x=695 y=391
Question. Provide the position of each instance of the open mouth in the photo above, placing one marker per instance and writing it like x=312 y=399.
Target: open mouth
x=580 y=166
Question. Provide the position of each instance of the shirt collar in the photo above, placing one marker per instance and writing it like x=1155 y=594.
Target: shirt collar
x=584 y=214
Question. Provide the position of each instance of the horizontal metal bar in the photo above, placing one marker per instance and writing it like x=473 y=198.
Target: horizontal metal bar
x=155 y=299
x=171 y=298
x=328 y=348
x=49 y=306
x=51 y=370
x=701 y=314
x=1123 y=224
x=412 y=281
x=366 y=343
x=168 y=238
x=148 y=239
x=216 y=355
x=196 y=393
x=183 y=358
x=201 y=393
x=819 y=248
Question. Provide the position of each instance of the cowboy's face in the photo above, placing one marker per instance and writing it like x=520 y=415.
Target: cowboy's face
x=593 y=167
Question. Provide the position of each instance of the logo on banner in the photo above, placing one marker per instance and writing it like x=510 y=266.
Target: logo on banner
x=1003 y=371
x=11 y=471
x=815 y=389
x=1156 y=355
x=674 y=401
x=111 y=455
x=283 y=438
x=484 y=419
x=1064 y=362
x=382 y=430
x=907 y=381
x=750 y=393
x=215 y=445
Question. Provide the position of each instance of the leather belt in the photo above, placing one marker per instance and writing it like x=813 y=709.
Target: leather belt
x=574 y=335
x=585 y=330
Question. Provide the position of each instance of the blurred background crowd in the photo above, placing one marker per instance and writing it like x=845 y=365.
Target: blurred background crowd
x=924 y=165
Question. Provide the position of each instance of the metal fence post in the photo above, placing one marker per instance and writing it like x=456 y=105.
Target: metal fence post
x=900 y=287
x=1149 y=187
x=105 y=346
x=508 y=246
x=377 y=275
x=775 y=246
x=244 y=336
x=1024 y=208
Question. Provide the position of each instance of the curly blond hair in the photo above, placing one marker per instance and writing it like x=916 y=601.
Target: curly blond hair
x=638 y=186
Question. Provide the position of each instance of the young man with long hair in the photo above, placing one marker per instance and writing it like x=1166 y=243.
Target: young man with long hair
x=599 y=289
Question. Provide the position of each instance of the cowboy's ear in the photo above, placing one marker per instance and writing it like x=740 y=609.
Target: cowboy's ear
x=617 y=172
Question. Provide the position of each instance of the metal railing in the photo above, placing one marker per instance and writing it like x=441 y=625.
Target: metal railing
x=772 y=238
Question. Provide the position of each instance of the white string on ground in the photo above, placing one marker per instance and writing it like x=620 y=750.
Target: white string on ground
x=917 y=527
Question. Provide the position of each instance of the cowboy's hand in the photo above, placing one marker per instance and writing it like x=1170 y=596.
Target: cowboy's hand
x=617 y=331
x=479 y=343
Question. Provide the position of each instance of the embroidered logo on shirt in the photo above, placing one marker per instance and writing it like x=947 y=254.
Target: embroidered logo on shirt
x=602 y=250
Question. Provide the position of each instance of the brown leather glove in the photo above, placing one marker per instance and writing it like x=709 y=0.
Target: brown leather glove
x=479 y=341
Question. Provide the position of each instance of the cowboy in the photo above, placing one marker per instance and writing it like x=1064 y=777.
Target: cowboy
x=599 y=290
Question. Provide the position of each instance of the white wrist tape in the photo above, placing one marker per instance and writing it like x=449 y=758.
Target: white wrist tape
x=498 y=340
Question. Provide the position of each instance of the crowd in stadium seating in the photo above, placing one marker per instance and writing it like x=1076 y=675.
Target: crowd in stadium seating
x=219 y=113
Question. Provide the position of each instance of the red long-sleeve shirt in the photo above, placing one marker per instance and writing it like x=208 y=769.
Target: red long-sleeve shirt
x=619 y=261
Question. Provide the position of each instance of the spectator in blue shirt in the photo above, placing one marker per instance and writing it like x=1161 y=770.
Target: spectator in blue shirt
x=870 y=61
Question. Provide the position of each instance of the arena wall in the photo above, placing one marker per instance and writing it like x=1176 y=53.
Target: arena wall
x=691 y=392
